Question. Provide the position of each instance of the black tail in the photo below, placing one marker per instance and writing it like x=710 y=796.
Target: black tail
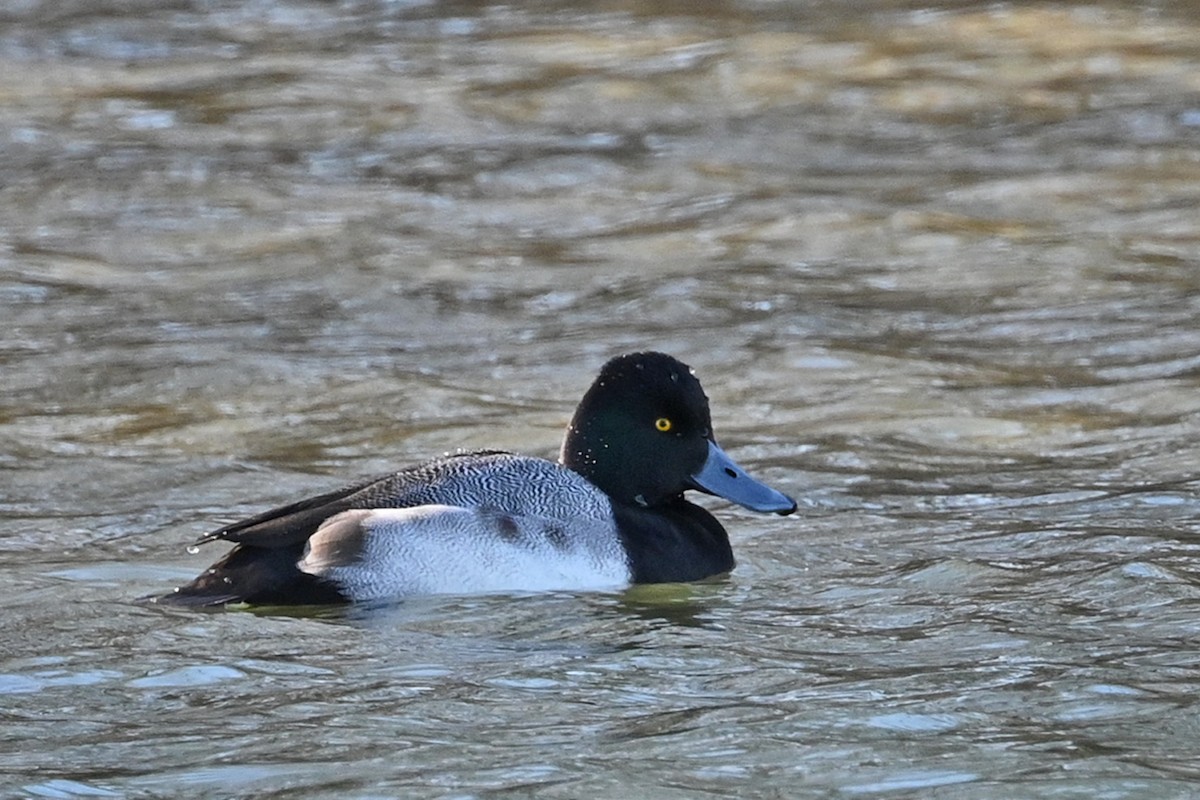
x=254 y=575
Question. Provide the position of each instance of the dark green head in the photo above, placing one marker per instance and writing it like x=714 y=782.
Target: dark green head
x=643 y=435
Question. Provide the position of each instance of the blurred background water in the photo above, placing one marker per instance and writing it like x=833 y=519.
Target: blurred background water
x=939 y=271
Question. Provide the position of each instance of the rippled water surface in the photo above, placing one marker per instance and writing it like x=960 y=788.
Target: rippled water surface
x=938 y=270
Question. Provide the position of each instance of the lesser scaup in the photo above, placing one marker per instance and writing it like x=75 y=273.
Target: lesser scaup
x=610 y=513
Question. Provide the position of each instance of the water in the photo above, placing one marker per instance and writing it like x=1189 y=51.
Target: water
x=938 y=270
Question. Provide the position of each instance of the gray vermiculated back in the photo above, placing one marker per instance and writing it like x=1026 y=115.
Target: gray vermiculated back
x=503 y=481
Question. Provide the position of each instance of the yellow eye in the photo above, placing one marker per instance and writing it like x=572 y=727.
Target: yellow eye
x=662 y=424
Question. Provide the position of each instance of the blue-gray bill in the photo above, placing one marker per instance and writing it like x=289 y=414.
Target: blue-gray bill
x=720 y=475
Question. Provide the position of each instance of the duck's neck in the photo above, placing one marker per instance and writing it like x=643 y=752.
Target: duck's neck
x=585 y=448
x=672 y=543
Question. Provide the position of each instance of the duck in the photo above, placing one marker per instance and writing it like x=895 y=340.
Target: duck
x=610 y=513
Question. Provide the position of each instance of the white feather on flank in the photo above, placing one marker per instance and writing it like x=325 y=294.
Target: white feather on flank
x=376 y=554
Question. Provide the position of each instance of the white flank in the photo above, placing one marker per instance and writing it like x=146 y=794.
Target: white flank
x=439 y=549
